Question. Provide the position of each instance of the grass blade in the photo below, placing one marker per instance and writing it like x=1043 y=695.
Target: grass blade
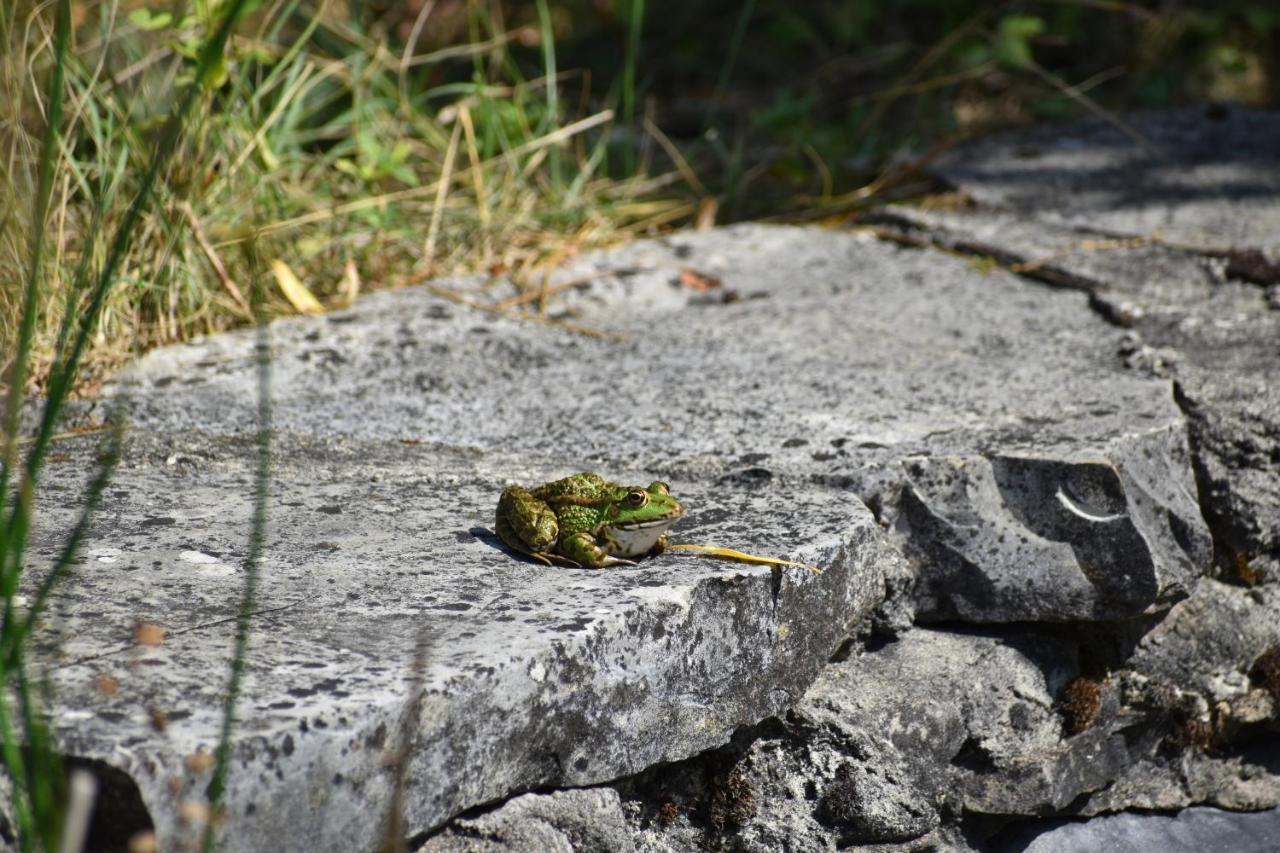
x=40 y=208
x=33 y=800
x=553 y=85
x=253 y=566
x=634 y=23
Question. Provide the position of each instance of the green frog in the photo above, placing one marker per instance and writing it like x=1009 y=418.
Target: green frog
x=585 y=520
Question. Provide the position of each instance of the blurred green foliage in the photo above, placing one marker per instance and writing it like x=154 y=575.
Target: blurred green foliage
x=843 y=86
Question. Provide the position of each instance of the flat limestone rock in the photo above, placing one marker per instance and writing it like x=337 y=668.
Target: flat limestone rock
x=824 y=355
x=1203 y=177
x=1189 y=831
x=983 y=419
x=379 y=564
x=1195 y=275
x=1189 y=320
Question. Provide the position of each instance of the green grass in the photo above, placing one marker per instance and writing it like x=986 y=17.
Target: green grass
x=315 y=140
x=502 y=136
x=28 y=753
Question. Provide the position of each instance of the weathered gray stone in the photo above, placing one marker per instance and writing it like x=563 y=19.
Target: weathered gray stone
x=937 y=694
x=1027 y=454
x=1200 y=223
x=1206 y=177
x=576 y=821
x=1210 y=641
x=974 y=715
x=843 y=359
x=1109 y=537
x=1190 y=321
x=1211 y=727
x=876 y=803
x=1190 y=831
x=532 y=676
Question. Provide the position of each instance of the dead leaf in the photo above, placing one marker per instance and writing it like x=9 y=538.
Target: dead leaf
x=707 y=210
x=106 y=685
x=148 y=634
x=194 y=812
x=699 y=281
x=350 y=284
x=742 y=557
x=297 y=294
x=199 y=761
x=159 y=719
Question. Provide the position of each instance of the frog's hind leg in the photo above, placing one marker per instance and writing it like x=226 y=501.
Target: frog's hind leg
x=526 y=524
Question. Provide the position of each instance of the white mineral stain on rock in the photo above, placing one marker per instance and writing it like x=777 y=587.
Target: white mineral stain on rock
x=209 y=566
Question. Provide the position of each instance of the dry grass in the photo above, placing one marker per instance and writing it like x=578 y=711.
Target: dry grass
x=320 y=148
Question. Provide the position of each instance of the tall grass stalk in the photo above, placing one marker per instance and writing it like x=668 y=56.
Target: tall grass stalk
x=635 y=24
x=35 y=770
x=32 y=772
x=553 y=86
x=252 y=571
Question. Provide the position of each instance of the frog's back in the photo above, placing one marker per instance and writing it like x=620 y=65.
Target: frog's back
x=587 y=485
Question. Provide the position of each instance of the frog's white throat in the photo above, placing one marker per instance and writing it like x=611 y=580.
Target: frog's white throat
x=636 y=539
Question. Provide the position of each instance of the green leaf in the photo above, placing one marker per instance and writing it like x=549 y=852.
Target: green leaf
x=399 y=153
x=215 y=75
x=1013 y=39
x=145 y=19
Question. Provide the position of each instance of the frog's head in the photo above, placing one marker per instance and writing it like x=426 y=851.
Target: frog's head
x=635 y=521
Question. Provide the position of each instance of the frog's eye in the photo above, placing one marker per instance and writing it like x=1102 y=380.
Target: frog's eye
x=637 y=498
x=660 y=487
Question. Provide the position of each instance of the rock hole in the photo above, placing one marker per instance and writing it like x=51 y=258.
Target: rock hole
x=974 y=756
x=119 y=812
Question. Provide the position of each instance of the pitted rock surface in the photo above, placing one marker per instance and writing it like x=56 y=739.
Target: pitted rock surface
x=893 y=742
x=1191 y=829
x=1196 y=275
x=1021 y=444
x=1204 y=177
x=899 y=375
x=541 y=677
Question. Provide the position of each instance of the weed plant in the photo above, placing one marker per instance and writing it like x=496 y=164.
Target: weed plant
x=28 y=754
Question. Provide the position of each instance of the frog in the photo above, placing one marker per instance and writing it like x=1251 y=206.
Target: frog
x=585 y=520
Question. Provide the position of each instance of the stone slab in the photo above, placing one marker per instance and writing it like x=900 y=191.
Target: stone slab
x=1204 y=177
x=895 y=745
x=839 y=358
x=1190 y=319
x=952 y=727
x=830 y=369
x=1190 y=831
x=531 y=676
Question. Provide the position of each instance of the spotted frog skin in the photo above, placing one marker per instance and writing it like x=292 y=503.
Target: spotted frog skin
x=585 y=520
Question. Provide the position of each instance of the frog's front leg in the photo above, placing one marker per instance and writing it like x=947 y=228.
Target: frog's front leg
x=659 y=546
x=526 y=524
x=581 y=547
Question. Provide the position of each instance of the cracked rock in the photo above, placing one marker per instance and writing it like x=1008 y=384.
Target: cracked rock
x=577 y=821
